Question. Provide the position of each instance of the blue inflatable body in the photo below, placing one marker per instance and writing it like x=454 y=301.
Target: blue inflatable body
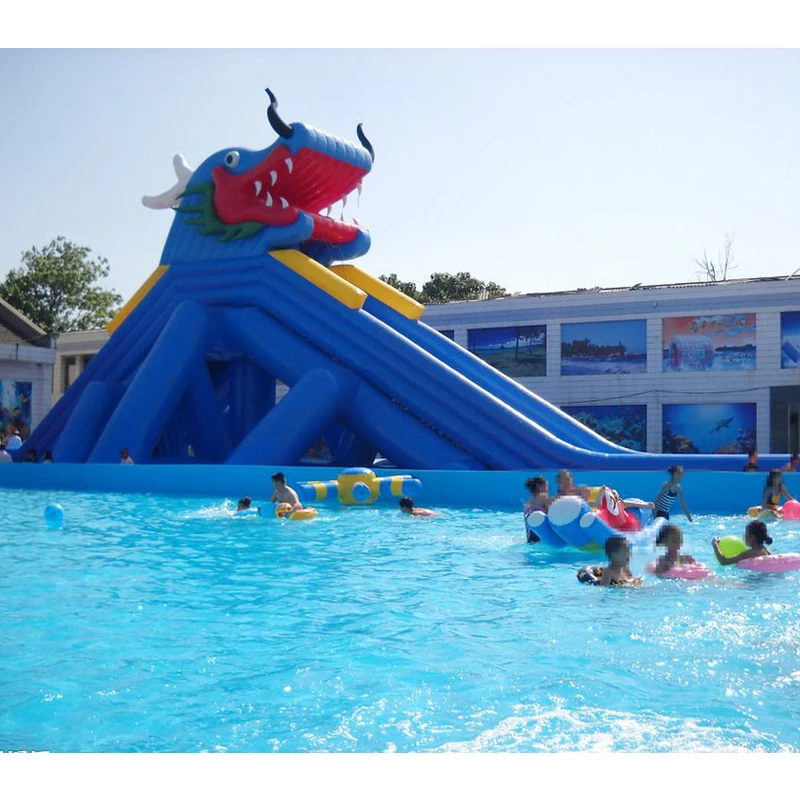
x=246 y=294
x=572 y=522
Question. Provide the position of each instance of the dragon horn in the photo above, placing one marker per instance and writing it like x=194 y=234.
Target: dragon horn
x=278 y=125
x=366 y=142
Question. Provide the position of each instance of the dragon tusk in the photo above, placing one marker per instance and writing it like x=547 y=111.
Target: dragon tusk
x=172 y=196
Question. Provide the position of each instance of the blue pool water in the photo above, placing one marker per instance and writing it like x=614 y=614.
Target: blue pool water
x=156 y=623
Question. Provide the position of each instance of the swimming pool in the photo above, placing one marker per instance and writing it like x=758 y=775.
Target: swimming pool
x=155 y=623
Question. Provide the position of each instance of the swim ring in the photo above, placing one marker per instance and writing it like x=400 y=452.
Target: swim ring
x=777 y=562
x=591 y=576
x=282 y=511
x=683 y=572
x=766 y=514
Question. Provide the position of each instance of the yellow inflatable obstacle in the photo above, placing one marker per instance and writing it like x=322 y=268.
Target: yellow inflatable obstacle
x=282 y=511
x=359 y=486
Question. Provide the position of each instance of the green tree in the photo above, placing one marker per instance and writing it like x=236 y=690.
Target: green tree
x=444 y=287
x=406 y=287
x=55 y=287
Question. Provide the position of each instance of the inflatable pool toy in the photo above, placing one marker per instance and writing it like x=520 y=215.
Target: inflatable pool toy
x=591 y=576
x=54 y=515
x=282 y=512
x=731 y=546
x=683 y=572
x=766 y=514
x=359 y=486
x=571 y=521
x=775 y=563
x=791 y=509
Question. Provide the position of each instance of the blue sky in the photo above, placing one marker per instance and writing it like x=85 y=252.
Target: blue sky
x=538 y=169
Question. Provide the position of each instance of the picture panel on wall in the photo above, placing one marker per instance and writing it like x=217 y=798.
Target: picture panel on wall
x=623 y=425
x=519 y=351
x=604 y=348
x=721 y=342
x=790 y=339
x=722 y=428
x=15 y=407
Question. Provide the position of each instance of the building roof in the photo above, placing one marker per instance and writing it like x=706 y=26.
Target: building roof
x=16 y=328
x=641 y=287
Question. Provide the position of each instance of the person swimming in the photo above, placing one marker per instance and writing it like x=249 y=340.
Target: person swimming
x=618 y=571
x=245 y=507
x=407 y=507
x=755 y=537
x=284 y=494
x=567 y=487
x=671 y=537
x=774 y=490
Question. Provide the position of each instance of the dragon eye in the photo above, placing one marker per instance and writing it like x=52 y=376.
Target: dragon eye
x=232 y=158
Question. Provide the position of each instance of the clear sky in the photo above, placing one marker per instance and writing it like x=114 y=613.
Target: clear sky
x=538 y=169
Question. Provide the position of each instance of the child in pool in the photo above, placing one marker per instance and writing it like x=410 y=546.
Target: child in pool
x=407 y=507
x=670 y=536
x=755 y=537
x=618 y=572
x=669 y=491
x=245 y=504
x=774 y=490
x=539 y=499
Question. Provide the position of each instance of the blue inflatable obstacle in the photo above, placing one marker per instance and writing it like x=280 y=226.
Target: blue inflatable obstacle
x=359 y=486
x=571 y=521
x=247 y=294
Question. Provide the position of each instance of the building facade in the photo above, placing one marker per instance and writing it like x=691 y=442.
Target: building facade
x=26 y=372
x=706 y=367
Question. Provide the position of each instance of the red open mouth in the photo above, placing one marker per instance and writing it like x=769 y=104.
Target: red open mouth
x=283 y=185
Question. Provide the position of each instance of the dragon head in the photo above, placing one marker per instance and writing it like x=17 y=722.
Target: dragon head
x=242 y=202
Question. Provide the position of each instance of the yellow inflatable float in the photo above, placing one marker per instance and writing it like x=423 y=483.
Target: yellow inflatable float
x=282 y=511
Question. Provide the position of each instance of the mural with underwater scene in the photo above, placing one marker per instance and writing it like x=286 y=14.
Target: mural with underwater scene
x=604 y=348
x=623 y=425
x=790 y=340
x=722 y=428
x=721 y=342
x=15 y=407
x=519 y=351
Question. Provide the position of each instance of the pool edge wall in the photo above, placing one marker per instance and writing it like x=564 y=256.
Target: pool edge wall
x=705 y=492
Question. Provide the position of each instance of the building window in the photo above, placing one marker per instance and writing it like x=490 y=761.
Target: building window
x=69 y=371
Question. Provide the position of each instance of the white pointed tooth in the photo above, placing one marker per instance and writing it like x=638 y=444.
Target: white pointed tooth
x=289 y=163
x=359 y=189
x=356 y=222
x=341 y=217
x=328 y=211
x=258 y=188
x=284 y=203
x=344 y=201
x=268 y=201
x=273 y=176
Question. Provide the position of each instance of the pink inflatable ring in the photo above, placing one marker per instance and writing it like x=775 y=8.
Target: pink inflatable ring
x=779 y=562
x=684 y=572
